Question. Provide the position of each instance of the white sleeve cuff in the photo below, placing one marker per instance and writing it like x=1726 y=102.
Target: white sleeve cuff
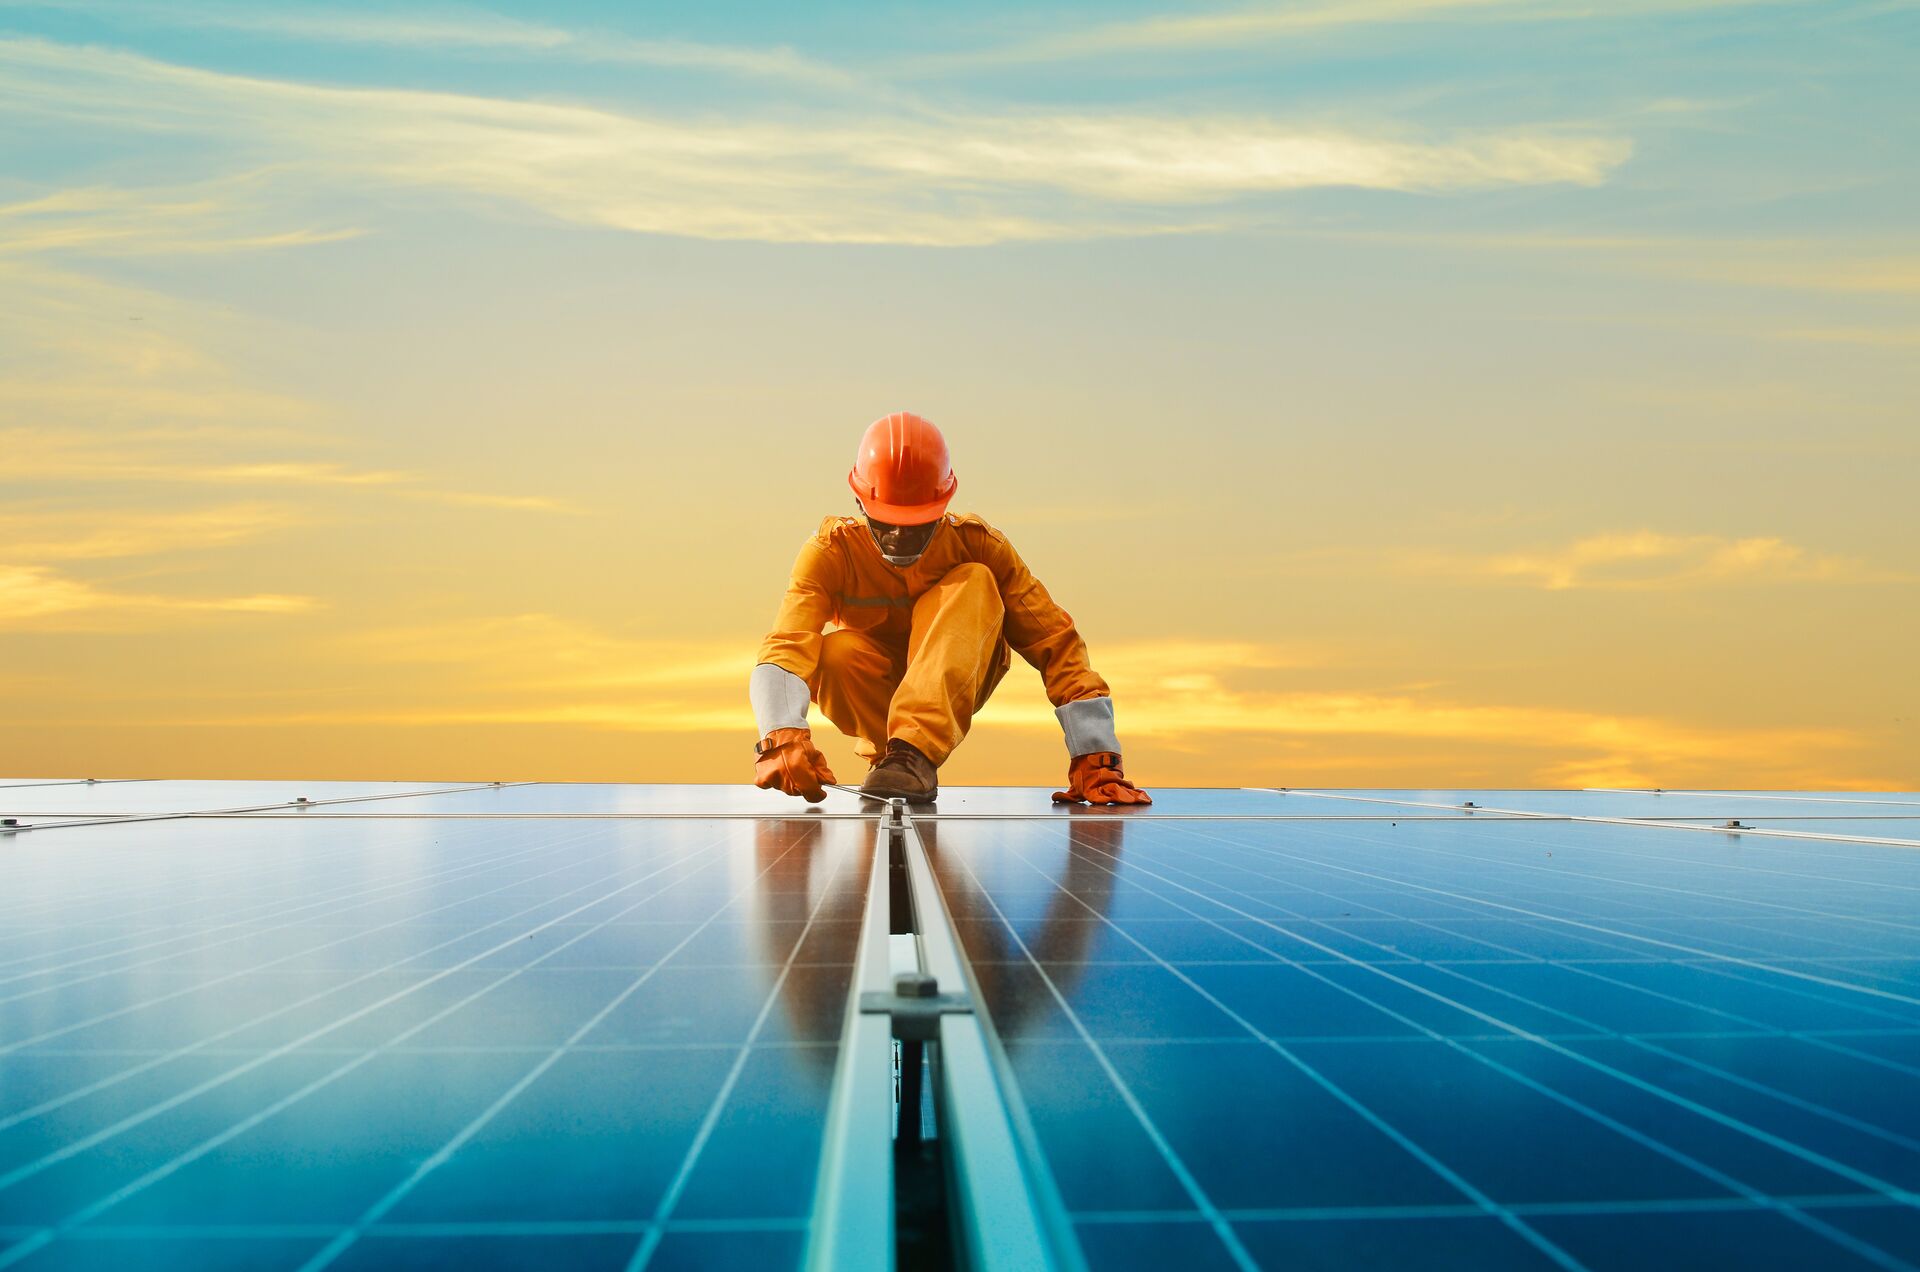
x=1089 y=726
x=779 y=699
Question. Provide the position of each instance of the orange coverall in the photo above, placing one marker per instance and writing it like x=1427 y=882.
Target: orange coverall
x=918 y=649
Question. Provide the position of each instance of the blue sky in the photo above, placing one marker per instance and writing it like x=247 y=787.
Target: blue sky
x=1471 y=369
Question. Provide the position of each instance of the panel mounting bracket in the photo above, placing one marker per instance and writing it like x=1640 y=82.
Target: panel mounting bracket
x=915 y=1006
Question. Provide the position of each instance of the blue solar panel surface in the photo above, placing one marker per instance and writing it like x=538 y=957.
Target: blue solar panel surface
x=272 y=1044
x=597 y=1026
x=1468 y=1044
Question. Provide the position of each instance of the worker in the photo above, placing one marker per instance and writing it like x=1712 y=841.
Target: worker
x=928 y=607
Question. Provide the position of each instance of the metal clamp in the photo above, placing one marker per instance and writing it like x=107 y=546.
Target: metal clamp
x=915 y=1005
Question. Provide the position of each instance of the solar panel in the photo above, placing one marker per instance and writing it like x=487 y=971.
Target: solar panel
x=588 y=1025
x=317 y=1044
x=1458 y=1043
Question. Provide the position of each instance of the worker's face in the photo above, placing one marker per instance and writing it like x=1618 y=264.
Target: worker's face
x=901 y=543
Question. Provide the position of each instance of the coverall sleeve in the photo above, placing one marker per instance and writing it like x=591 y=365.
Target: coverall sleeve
x=795 y=641
x=1038 y=629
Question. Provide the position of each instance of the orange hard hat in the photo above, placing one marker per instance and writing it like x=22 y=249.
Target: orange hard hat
x=901 y=473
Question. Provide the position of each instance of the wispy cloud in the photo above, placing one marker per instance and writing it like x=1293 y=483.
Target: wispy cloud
x=446 y=30
x=42 y=599
x=949 y=179
x=1197 y=704
x=1646 y=560
x=106 y=221
x=141 y=456
x=1238 y=27
x=100 y=534
x=546 y=652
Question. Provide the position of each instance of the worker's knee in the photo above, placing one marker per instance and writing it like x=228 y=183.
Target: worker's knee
x=975 y=579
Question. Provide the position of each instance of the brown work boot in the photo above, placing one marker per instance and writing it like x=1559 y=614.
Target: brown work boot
x=902 y=773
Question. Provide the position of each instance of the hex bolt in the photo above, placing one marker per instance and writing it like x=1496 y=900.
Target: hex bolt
x=916 y=985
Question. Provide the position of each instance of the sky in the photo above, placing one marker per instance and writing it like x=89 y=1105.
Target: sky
x=1397 y=392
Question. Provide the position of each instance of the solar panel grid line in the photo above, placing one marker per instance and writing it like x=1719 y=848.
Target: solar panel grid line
x=155 y=1175
x=1585 y=968
x=20 y=1044
x=17 y=1174
x=1636 y=821
x=1202 y=1203
x=1644 y=1040
x=1793 y=817
x=77 y=781
x=1595 y=927
x=73 y=1095
x=1813 y=1223
x=1750 y=796
x=1566 y=872
x=387 y=1202
x=795 y=815
x=1665 y=823
x=127 y=818
x=1138 y=814
x=344 y=900
x=1525 y=1209
x=1479 y=1199
x=361 y=895
x=1893 y=1192
x=1296 y=1214
x=324 y=1231
x=243 y=866
x=670 y=1200
x=1861 y=1125
x=1712 y=961
x=1754 y=831
x=1742 y=867
x=1675 y=794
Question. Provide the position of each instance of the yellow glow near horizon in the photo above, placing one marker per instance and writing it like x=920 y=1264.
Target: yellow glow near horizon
x=465 y=425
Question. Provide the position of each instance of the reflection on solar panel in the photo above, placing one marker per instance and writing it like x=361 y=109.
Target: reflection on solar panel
x=595 y=1026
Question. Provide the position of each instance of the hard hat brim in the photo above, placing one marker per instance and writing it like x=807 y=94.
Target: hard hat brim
x=902 y=514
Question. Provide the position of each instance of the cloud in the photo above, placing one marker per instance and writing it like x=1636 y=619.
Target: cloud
x=41 y=599
x=1175 y=696
x=1645 y=560
x=106 y=221
x=938 y=179
x=160 y=457
x=539 y=652
x=474 y=30
x=1239 y=27
x=98 y=534
x=1195 y=705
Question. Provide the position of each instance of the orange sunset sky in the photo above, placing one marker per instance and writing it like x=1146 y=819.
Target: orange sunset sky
x=1411 y=392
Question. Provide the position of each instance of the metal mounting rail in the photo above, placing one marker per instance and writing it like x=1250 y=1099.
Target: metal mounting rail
x=1003 y=1211
x=853 y=1202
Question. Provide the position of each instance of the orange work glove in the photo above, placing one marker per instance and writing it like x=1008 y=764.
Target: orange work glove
x=1097 y=779
x=790 y=762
